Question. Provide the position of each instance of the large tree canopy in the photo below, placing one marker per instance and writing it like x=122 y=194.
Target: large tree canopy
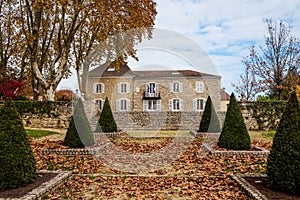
x=53 y=35
x=272 y=63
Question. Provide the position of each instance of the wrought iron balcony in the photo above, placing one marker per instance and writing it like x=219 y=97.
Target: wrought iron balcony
x=151 y=95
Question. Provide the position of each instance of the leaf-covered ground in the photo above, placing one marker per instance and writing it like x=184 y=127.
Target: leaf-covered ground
x=189 y=177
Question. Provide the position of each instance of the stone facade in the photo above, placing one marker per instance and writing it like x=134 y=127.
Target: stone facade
x=152 y=91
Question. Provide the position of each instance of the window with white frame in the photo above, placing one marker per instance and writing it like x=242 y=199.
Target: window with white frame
x=99 y=88
x=99 y=103
x=176 y=105
x=123 y=88
x=198 y=104
x=176 y=87
x=151 y=90
x=151 y=105
x=199 y=86
x=123 y=105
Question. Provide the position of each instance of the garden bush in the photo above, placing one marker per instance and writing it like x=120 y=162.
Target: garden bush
x=209 y=121
x=17 y=166
x=79 y=133
x=283 y=167
x=234 y=134
x=106 y=121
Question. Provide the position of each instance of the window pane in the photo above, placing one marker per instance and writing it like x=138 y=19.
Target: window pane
x=154 y=104
x=123 y=88
x=176 y=104
x=123 y=105
x=199 y=104
x=176 y=87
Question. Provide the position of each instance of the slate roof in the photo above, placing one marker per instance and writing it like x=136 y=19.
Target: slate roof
x=104 y=71
x=170 y=73
x=107 y=71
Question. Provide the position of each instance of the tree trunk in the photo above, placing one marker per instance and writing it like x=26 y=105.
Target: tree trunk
x=49 y=93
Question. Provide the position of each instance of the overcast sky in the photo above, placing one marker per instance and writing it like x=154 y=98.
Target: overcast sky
x=223 y=29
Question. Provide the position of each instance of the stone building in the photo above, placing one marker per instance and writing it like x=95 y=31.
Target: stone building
x=152 y=91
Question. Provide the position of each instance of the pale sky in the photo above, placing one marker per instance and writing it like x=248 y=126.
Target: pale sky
x=224 y=30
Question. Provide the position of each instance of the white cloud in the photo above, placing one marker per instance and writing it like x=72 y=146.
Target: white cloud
x=225 y=29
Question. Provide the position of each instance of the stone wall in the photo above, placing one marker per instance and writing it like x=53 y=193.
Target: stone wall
x=160 y=120
x=57 y=118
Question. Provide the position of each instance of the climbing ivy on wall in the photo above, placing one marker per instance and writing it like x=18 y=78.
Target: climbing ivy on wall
x=38 y=107
x=267 y=113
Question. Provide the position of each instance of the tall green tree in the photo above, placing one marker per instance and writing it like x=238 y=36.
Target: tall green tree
x=79 y=133
x=209 y=121
x=106 y=121
x=17 y=166
x=283 y=167
x=234 y=134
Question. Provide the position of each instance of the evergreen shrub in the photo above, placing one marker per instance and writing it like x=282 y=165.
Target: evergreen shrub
x=17 y=162
x=106 y=122
x=79 y=133
x=209 y=121
x=234 y=134
x=283 y=168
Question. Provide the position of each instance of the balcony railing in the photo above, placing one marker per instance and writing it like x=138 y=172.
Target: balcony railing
x=151 y=95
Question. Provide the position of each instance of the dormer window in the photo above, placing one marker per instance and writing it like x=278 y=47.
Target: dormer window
x=111 y=69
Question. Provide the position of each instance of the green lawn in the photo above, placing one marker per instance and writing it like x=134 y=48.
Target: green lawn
x=39 y=133
x=262 y=135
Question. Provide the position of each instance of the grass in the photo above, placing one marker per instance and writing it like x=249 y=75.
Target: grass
x=39 y=133
x=266 y=136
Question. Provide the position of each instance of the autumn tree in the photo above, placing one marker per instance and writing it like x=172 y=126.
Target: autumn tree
x=12 y=50
x=110 y=38
x=60 y=34
x=280 y=54
x=248 y=86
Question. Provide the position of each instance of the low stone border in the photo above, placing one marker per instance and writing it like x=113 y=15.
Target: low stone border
x=261 y=152
x=250 y=190
x=109 y=135
x=46 y=187
x=202 y=134
x=141 y=176
x=73 y=152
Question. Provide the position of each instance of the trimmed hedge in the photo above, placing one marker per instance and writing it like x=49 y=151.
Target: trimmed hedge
x=106 y=122
x=209 y=121
x=283 y=167
x=79 y=133
x=234 y=134
x=17 y=166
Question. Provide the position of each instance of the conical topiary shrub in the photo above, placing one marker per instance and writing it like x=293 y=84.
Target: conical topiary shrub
x=17 y=162
x=79 y=133
x=209 y=121
x=283 y=167
x=234 y=134
x=106 y=121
